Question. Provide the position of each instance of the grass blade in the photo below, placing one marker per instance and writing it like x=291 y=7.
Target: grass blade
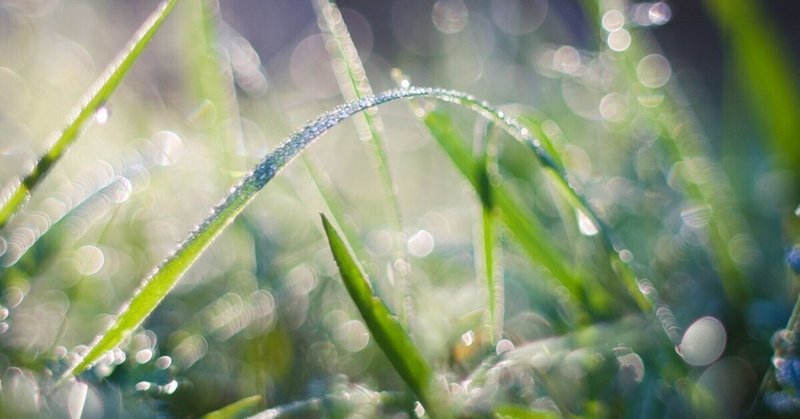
x=386 y=330
x=523 y=227
x=354 y=84
x=94 y=99
x=239 y=409
x=155 y=287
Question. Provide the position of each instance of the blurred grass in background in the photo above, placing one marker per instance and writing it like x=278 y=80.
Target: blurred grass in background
x=683 y=140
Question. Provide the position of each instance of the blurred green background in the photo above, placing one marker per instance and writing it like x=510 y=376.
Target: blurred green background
x=678 y=119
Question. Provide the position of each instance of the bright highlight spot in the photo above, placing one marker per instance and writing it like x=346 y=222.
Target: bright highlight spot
x=420 y=244
x=89 y=260
x=703 y=342
x=613 y=20
x=619 y=40
x=586 y=225
x=653 y=71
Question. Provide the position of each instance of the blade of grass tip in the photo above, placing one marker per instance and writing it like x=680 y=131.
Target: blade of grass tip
x=354 y=84
x=155 y=287
x=569 y=186
x=94 y=99
x=239 y=409
x=525 y=229
x=386 y=330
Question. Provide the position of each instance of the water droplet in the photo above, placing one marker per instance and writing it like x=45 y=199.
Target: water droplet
x=503 y=346
x=352 y=336
x=630 y=364
x=450 y=16
x=3 y=246
x=89 y=260
x=653 y=71
x=144 y=356
x=567 y=59
x=468 y=338
x=420 y=244
x=102 y=114
x=613 y=20
x=170 y=387
x=169 y=147
x=586 y=226
x=3 y=312
x=163 y=362
x=119 y=190
x=796 y=213
x=143 y=386
x=77 y=399
x=613 y=107
x=619 y=40
x=703 y=342
x=659 y=13
x=419 y=410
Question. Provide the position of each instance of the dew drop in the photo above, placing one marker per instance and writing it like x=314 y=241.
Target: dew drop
x=450 y=16
x=653 y=71
x=77 y=399
x=503 y=346
x=169 y=147
x=613 y=20
x=119 y=190
x=163 y=362
x=102 y=114
x=170 y=387
x=89 y=260
x=144 y=356
x=796 y=213
x=586 y=226
x=619 y=40
x=143 y=386
x=631 y=364
x=419 y=410
x=4 y=245
x=703 y=342
x=420 y=244
x=659 y=13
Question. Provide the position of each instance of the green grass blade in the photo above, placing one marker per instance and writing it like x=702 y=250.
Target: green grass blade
x=236 y=410
x=760 y=55
x=385 y=328
x=155 y=287
x=354 y=84
x=523 y=227
x=94 y=99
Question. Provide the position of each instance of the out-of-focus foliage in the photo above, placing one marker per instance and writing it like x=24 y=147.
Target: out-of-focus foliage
x=694 y=180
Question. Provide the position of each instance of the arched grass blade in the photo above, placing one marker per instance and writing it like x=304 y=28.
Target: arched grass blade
x=155 y=287
x=94 y=99
x=236 y=410
x=385 y=328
